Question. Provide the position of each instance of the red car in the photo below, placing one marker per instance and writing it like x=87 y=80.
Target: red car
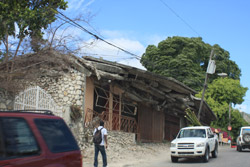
x=36 y=139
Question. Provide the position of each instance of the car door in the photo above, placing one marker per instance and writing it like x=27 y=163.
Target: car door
x=18 y=146
x=62 y=146
x=211 y=139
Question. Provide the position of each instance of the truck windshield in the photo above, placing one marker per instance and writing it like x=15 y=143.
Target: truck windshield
x=245 y=131
x=192 y=133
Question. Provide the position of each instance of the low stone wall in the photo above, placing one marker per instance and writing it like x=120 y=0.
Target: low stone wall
x=117 y=143
x=121 y=138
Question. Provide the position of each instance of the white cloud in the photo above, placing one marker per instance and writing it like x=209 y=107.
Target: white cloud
x=132 y=62
x=108 y=52
x=124 y=40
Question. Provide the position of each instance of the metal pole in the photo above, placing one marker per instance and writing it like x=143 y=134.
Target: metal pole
x=229 y=122
x=204 y=88
x=229 y=114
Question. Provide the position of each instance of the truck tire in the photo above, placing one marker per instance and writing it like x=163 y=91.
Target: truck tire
x=174 y=159
x=239 y=148
x=246 y=137
x=205 y=157
x=215 y=152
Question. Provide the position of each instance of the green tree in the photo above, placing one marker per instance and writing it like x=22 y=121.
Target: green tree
x=226 y=90
x=219 y=94
x=237 y=122
x=22 y=18
x=186 y=60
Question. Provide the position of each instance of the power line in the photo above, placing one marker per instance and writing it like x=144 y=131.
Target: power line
x=177 y=15
x=72 y=22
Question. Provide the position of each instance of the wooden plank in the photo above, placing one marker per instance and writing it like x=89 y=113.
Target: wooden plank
x=145 y=123
x=157 y=130
x=151 y=124
x=120 y=109
x=110 y=106
x=172 y=126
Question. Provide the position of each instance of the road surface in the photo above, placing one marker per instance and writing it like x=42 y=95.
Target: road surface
x=228 y=157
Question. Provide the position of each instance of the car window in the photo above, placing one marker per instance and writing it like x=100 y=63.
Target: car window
x=56 y=135
x=245 y=130
x=16 y=139
x=210 y=131
x=192 y=133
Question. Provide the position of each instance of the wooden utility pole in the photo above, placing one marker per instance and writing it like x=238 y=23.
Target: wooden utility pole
x=205 y=87
x=229 y=121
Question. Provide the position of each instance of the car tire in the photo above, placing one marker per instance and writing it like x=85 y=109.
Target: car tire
x=215 y=152
x=174 y=159
x=205 y=158
x=239 y=148
x=246 y=137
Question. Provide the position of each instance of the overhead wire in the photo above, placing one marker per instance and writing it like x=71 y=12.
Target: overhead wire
x=72 y=22
x=177 y=15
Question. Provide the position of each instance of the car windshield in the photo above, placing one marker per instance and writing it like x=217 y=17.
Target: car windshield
x=245 y=131
x=192 y=133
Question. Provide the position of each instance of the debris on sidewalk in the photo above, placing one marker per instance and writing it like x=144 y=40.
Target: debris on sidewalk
x=120 y=155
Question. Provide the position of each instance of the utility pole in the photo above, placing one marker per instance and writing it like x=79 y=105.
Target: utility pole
x=229 y=117
x=205 y=87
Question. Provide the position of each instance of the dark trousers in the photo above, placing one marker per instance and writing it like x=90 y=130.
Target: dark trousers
x=104 y=156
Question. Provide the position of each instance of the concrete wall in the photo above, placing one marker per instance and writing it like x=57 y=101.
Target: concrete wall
x=89 y=94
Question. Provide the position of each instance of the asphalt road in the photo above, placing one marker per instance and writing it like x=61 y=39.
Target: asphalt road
x=228 y=157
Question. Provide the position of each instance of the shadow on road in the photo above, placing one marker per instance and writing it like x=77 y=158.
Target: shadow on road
x=192 y=160
x=245 y=151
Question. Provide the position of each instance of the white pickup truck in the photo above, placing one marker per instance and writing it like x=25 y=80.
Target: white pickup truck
x=198 y=141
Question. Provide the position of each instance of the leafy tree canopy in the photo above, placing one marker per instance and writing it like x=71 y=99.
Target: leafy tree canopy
x=186 y=60
x=226 y=90
x=21 y=18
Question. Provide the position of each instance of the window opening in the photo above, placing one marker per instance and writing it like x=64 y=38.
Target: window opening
x=129 y=108
x=127 y=121
x=101 y=99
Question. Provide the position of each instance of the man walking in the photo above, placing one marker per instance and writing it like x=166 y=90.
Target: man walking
x=99 y=146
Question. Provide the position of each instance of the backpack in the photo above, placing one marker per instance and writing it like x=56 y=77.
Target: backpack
x=97 y=138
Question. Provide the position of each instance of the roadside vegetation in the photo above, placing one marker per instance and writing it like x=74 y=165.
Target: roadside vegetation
x=186 y=59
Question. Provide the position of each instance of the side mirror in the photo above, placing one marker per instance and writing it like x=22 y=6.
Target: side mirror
x=211 y=136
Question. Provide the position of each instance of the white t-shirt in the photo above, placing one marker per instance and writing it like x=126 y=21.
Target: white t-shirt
x=104 y=132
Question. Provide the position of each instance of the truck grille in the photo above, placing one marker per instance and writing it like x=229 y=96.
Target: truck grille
x=185 y=146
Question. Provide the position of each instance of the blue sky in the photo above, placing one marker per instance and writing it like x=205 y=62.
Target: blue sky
x=135 y=24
